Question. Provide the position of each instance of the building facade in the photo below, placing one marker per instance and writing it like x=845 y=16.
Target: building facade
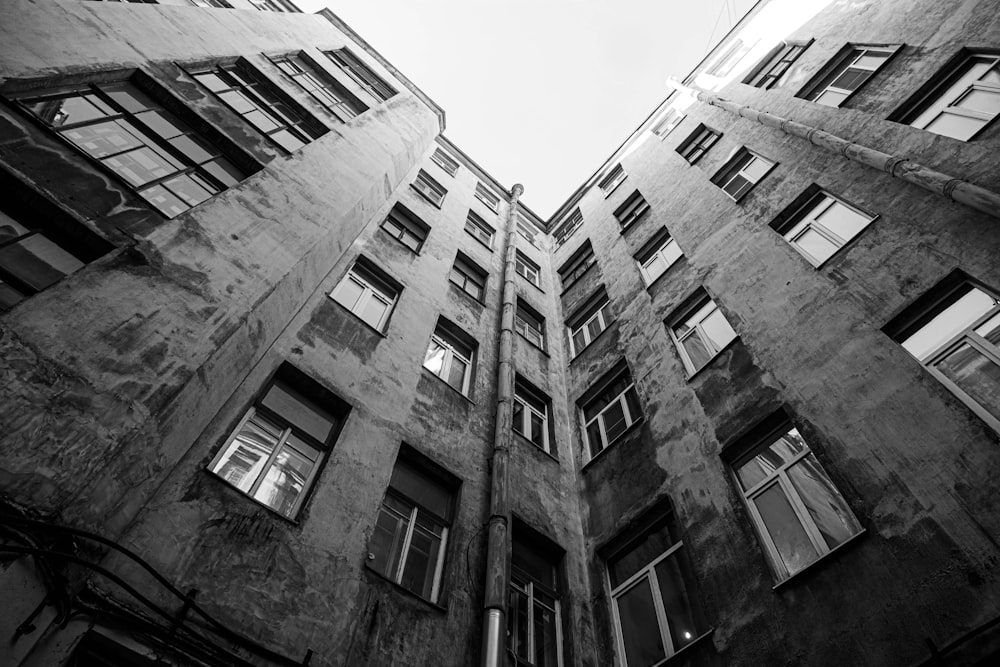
x=283 y=366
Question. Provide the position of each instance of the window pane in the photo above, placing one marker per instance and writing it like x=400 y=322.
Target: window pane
x=421 y=560
x=247 y=453
x=286 y=477
x=302 y=412
x=579 y=342
x=37 y=261
x=614 y=421
x=640 y=629
x=373 y=311
x=639 y=554
x=976 y=374
x=826 y=506
x=456 y=374
x=69 y=110
x=387 y=542
x=676 y=603
x=594 y=438
x=983 y=101
x=101 y=139
x=425 y=491
x=946 y=325
x=780 y=521
x=594 y=328
x=288 y=141
x=816 y=245
x=756 y=169
x=831 y=98
x=518 y=417
x=142 y=165
x=769 y=459
x=717 y=329
x=696 y=351
x=348 y=292
x=519 y=624
x=434 y=359
x=537 y=430
x=843 y=221
x=165 y=201
x=545 y=637
x=189 y=188
x=955 y=126
x=851 y=79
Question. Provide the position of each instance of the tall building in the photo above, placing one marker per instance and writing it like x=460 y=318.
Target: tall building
x=289 y=379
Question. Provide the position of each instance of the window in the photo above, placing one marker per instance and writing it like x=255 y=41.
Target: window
x=529 y=324
x=666 y=125
x=527 y=231
x=487 y=196
x=846 y=73
x=954 y=331
x=468 y=277
x=653 y=608
x=430 y=189
x=589 y=321
x=698 y=143
x=631 y=210
x=449 y=356
x=350 y=65
x=795 y=507
x=744 y=170
x=321 y=86
x=658 y=255
x=262 y=104
x=531 y=414
x=220 y=4
x=158 y=155
x=700 y=331
x=566 y=230
x=612 y=180
x=525 y=268
x=767 y=74
x=406 y=228
x=480 y=229
x=368 y=293
x=961 y=102
x=445 y=161
x=577 y=265
x=609 y=409
x=39 y=243
x=275 y=452
x=534 y=625
x=729 y=58
x=821 y=226
x=411 y=532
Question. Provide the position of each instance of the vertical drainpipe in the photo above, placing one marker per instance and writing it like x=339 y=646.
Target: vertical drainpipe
x=495 y=605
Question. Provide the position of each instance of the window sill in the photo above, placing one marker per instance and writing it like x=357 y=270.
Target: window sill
x=697 y=641
x=541 y=350
x=270 y=510
x=456 y=391
x=367 y=326
x=632 y=427
x=577 y=279
x=433 y=605
x=531 y=283
x=534 y=446
x=811 y=567
x=480 y=241
x=708 y=363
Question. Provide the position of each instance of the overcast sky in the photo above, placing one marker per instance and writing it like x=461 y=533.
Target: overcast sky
x=540 y=92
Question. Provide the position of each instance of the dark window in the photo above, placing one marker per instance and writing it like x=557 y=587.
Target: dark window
x=698 y=143
x=429 y=189
x=445 y=161
x=469 y=277
x=488 y=197
x=480 y=229
x=776 y=64
x=262 y=104
x=406 y=228
x=351 y=65
x=568 y=228
x=161 y=157
x=609 y=409
x=577 y=265
x=531 y=414
x=321 y=86
x=534 y=620
x=613 y=179
x=631 y=210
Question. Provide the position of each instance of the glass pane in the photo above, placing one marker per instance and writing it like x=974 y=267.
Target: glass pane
x=101 y=139
x=843 y=221
x=545 y=637
x=640 y=629
x=425 y=491
x=827 y=508
x=518 y=417
x=537 y=430
x=212 y=81
x=129 y=97
x=373 y=311
x=594 y=328
x=68 y=110
x=421 y=561
x=288 y=141
x=770 y=458
x=594 y=438
x=247 y=453
x=348 y=293
x=676 y=602
x=37 y=261
x=655 y=266
x=697 y=352
x=983 y=101
x=193 y=149
x=165 y=201
x=434 y=359
x=162 y=124
x=786 y=531
x=948 y=323
x=536 y=566
x=717 y=330
x=614 y=421
x=736 y=187
x=285 y=479
x=189 y=188
x=756 y=169
x=579 y=342
x=976 y=374
x=142 y=165
x=872 y=59
x=300 y=410
x=831 y=98
x=518 y=624
x=224 y=171
x=387 y=540
x=955 y=126
x=817 y=246
x=990 y=329
x=239 y=102
x=456 y=374
x=851 y=79
x=690 y=321
x=639 y=554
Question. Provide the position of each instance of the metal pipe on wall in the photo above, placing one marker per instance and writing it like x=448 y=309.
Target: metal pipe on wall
x=955 y=189
x=498 y=535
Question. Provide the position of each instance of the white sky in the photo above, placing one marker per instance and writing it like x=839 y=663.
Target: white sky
x=540 y=92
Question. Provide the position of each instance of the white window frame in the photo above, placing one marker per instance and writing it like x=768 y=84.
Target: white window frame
x=962 y=83
x=445 y=161
x=711 y=347
x=630 y=419
x=671 y=119
x=805 y=219
x=780 y=477
x=481 y=227
x=967 y=336
x=527 y=269
x=840 y=65
x=612 y=180
x=527 y=231
x=488 y=197
x=599 y=316
x=470 y=275
x=660 y=253
x=528 y=589
x=526 y=412
x=771 y=71
x=535 y=336
x=451 y=352
x=428 y=188
x=633 y=209
x=738 y=165
x=370 y=290
x=407 y=226
x=577 y=265
x=397 y=577
x=573 y=223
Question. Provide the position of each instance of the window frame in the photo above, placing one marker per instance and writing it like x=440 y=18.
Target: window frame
x=347 y=106
x=735 y=167
x=447 y=163
x=425 y=186
x=470 y=272
x=632 y=209
x=578 y=264
x=450 y=343
x=527 y=588
x=527 y=231
x=695 y=304
x=474 y=220
x=597 y=393
x=612 y=180
x=699 y=142
x=361 y=74
x=524 y=392
x=568 y=228
x=524 y=261
x=764 y=76
x=798 y=218
x=653 y=249
x=671 y=119
x=592 y=310
x=522 y=314
x=365 y=275
x=408 y=225
x=489 y=198
x=846 y=58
